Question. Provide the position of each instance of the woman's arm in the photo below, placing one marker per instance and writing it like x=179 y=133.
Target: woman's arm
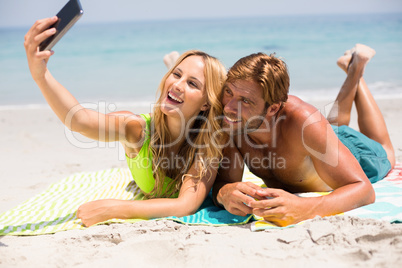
x=192 y=195
x=98 y=126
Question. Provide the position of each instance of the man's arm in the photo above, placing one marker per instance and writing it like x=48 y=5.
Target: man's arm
x=229 y=191
x=335 y=165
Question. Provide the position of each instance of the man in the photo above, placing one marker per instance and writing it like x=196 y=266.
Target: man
x=293 y=148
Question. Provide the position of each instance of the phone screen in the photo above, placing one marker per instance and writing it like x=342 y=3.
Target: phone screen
x=67 y=17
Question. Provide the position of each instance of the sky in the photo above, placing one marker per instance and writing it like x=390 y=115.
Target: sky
x=17 y=13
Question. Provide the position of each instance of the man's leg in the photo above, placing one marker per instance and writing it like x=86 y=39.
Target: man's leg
x=370 y=119
x=340 y=112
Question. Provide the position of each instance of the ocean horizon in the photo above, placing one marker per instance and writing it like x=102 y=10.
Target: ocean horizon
x=122 y=62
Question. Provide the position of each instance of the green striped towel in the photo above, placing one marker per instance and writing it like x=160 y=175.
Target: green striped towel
x=55 y=209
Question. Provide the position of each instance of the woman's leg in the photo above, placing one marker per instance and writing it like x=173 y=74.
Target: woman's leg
x=170 y=59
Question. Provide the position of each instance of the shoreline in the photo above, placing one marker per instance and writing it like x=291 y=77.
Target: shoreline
x=312 y=96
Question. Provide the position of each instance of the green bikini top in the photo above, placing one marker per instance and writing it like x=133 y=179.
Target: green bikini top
x=141 y=165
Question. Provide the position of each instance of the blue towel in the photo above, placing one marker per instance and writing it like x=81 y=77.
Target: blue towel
x=209 y=214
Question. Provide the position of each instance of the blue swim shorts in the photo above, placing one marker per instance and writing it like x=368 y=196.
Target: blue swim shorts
x=370 y=154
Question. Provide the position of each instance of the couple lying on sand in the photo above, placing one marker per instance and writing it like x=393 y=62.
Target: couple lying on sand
x=208 y=123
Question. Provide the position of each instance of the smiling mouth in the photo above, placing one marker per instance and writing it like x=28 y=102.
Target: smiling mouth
x=173 y=98
x=233 y=121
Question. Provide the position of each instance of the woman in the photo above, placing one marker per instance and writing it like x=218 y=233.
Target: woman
x=172 y=153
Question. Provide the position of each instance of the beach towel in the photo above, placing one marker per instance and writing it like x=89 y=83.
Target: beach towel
x=387 y=207
x=54 y=210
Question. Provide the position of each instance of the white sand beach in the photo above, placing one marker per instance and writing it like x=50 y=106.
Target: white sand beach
x=36 y=151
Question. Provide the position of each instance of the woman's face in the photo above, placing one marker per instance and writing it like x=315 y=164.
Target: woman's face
x=184 y=93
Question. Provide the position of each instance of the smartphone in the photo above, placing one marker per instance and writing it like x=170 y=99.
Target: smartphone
x=67 y=17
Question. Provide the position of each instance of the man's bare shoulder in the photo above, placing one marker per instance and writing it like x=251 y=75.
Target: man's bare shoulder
x=306 y=126
x=296 y=113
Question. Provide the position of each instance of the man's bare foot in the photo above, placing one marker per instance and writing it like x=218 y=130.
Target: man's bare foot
x=361 y=56
x=171 y=58
x=365 y=53
x=345 y=60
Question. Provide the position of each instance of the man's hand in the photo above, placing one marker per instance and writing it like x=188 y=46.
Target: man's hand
x=282 y=208
x=235 y=197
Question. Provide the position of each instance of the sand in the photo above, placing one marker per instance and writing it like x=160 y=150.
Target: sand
x=36 y=151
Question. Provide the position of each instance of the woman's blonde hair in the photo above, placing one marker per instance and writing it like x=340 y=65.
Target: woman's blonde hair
x=202 y=147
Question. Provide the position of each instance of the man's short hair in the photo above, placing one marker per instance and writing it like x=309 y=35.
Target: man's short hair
x=268 y=71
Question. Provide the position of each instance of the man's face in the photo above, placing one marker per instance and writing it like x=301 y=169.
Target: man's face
x=244 y=108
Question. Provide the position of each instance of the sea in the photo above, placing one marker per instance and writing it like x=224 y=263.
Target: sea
x=122 y=62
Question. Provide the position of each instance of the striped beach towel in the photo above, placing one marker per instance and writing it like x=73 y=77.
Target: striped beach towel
x=54 y=210
x=387 y=207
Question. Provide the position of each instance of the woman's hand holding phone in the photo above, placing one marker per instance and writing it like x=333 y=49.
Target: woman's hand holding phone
x=37 y=60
